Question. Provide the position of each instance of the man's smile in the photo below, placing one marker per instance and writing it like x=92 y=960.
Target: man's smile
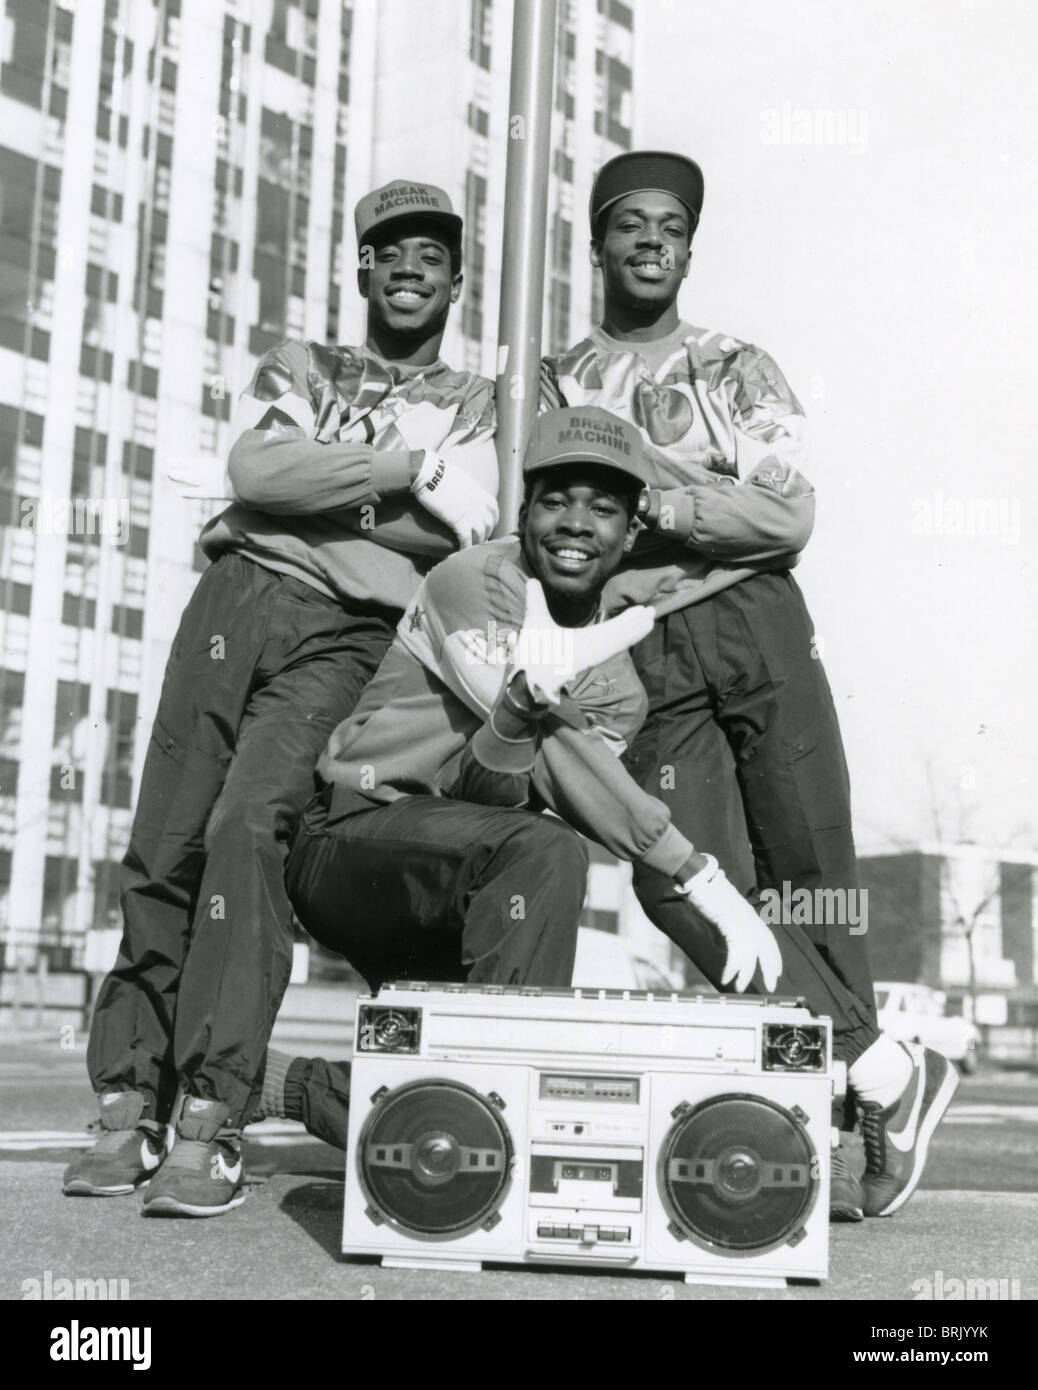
x=404 y=295
x=650 y=266
x=570 y=558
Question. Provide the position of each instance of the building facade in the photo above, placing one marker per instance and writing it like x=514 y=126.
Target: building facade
x=177 y=179
x=953 y=916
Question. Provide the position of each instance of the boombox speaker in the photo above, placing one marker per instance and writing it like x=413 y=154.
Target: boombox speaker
x=674 y=1133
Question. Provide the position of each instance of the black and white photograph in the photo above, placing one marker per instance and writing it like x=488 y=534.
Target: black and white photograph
x=517 y=663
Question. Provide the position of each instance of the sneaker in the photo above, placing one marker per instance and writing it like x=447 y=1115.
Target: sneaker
x=127 y=1154
x=204 y=1174
x=846 y=1196
x=897 y=1138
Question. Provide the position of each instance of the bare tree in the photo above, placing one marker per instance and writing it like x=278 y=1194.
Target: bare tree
x=951 y=818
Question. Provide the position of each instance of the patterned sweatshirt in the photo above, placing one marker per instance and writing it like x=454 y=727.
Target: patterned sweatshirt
x=322 y=476
x=414 y=731
x=725 y=435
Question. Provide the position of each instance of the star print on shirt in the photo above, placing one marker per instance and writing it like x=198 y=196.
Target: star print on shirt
x=773 y=477
x=416 y=619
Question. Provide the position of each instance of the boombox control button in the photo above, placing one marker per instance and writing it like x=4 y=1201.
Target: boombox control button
x=587 y=1235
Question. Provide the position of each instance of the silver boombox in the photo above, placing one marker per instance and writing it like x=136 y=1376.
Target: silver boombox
x=674 y=1133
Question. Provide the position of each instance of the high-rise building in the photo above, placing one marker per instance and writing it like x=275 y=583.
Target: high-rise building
x=177 y=179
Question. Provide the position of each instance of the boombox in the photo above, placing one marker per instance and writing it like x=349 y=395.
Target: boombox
x=673 y=1133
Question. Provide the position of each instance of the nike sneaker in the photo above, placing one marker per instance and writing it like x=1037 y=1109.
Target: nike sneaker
x=204 y=1174
x=846 y=1195
x=126 y=1156
x=897 y=1138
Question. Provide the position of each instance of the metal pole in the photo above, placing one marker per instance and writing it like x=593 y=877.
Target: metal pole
x=522 y=264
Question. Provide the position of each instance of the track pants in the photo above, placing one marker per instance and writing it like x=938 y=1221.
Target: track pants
x=431 y=889
x=262 y=669
x=738 y=697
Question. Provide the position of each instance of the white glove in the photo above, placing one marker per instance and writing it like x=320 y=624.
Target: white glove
x=425 y=426
x=549 y=655
x=200 y=477
x=447 y=492
x=749 y=941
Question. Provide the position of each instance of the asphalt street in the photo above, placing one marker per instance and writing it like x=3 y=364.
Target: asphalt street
x=974 y=1217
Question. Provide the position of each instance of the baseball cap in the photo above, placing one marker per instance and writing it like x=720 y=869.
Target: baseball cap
x=586 y=434
x=637 y=170
x=404 y=198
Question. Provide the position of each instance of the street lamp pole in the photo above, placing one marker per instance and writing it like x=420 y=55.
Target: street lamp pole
x=522 y=266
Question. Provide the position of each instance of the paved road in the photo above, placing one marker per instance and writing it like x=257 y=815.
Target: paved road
x=976 y=1216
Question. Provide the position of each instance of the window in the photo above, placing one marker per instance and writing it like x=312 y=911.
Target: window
x=77 y=611
x=59 y=897
x=106 y=894
x=12 y=693
x=71 y=735
x=16 y=598
x=105 y=203
x=475 y=224
x=11 y=475
x=106 y=86
x=89 y=450
x=481 y=32
x=116 y=779
x=127 y=622
x=138 y=460
x=21 y=179
x=22 y=77
x=142 y=379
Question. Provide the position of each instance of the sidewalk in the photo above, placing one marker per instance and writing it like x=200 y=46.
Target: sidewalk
x=314 y=1018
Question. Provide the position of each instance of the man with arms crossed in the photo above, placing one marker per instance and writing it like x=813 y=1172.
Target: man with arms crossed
x=355 y=470
x=731 y=669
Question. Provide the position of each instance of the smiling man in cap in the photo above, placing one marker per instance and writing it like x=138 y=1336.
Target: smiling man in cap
x=354 y=470
x=505 y=690
x=739 y=707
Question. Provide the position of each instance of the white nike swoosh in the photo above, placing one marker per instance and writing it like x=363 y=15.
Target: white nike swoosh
x=111 y=1098
x=905 y=1138
x=220 y=1170
x=150 y=1159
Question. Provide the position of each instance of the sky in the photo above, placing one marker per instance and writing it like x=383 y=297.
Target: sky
x=870 y=219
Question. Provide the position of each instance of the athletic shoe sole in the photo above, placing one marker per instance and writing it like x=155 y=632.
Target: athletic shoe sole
x=846 y=1213
x=172 y=1206
x=79 y=1187
x=938 y=1106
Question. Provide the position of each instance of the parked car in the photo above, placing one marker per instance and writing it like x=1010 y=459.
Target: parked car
x=605 y=961
x=915 y=1013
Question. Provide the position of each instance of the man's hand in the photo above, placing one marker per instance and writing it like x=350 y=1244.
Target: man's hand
x=200 y=477
x=549 y=656
x=447 y=492
x=748 y=940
